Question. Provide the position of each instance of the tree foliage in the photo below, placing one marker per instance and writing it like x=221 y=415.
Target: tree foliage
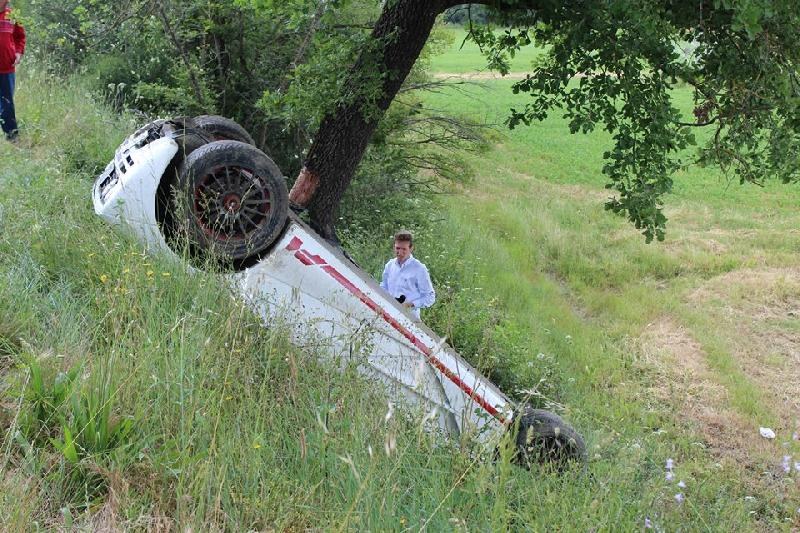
x=278 y=68
x=614 y=64
x=312 y=80
x=611 y=64
x=168 y=57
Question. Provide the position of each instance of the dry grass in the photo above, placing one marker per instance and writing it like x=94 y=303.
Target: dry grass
x=760 y=306
x=22 y=505
x=687 y=382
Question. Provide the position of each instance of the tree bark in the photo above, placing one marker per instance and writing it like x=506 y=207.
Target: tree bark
x=343 y=135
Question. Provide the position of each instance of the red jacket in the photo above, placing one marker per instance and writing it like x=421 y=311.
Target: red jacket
x=12 y=42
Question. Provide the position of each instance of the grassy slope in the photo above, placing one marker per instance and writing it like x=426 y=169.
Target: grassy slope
x=232 y=428
x=229 y=433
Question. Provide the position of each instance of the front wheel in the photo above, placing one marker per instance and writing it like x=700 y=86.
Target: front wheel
x=544 y=437
x=233 y=200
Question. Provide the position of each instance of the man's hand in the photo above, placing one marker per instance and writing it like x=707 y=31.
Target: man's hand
x=17 y=59
x=408 y=304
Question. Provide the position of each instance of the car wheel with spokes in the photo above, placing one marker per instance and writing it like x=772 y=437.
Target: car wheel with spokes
x=233 y=200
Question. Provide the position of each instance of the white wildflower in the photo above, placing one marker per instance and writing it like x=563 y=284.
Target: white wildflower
x=767 y=433
x=390 y=445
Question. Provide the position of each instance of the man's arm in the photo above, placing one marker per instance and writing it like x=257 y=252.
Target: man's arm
x=385 y=277
x=19 y=42
x=427 y=295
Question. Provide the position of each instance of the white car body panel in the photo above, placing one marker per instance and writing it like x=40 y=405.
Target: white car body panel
x=330 y=305
x=130 y=203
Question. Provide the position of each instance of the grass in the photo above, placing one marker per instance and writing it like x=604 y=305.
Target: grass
x=541 y=243
x=232 y=427
x=462 y=56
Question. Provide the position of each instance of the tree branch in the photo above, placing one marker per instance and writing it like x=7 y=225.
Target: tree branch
x=198 y=93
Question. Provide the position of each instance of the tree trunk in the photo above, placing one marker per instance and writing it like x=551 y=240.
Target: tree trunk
x=400 y=32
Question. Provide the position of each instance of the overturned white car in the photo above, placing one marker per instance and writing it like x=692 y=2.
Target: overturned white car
x=200 y=186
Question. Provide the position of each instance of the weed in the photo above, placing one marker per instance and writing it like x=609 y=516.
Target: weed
x=91 y=428
x=45 y=400
x=74 y=419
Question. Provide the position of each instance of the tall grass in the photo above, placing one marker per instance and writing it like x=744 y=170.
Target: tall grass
x=231 y=427
x=227 y=425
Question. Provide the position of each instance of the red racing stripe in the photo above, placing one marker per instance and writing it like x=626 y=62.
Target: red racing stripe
x=308 y=259
x=294 y=244
x=301 y=255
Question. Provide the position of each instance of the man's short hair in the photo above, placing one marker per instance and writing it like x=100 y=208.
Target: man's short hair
x=404 y=236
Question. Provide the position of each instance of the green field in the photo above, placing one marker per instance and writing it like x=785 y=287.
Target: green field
x=460 y=56
x=202 y=420
x=681 y=348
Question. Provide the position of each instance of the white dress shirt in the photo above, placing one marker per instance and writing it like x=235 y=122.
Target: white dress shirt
x=410 y=279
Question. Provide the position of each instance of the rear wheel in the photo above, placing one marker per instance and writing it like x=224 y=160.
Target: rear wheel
x=186 y=133
x=232 y=200
x=544 y=437
x=220 y=128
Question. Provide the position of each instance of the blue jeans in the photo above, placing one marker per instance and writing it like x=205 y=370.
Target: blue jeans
x=7 y=116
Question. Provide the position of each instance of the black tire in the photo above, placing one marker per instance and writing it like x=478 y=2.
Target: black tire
x=233 y=201
x=544 y=437
x=187 y=134
x=220 y=128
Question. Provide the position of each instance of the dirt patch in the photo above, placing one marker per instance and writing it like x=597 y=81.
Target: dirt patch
x=686 y=382
x=583 y=193
x=694 y=243
x=775 y=290
x=761 y=309
x=483 y=75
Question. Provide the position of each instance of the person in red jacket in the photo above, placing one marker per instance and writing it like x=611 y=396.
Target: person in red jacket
x=12 y=46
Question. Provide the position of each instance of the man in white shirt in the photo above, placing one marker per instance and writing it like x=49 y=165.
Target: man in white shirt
x=405 y=278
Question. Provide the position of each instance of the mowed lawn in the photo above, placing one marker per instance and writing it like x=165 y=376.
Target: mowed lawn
x=681 y=349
